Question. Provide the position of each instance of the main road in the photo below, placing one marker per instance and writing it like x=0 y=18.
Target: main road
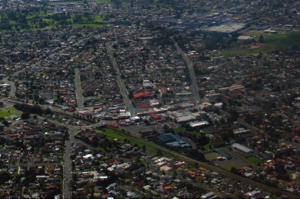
x=194 y=87
x=67 y=165
x=78 y=91
x=121 y=83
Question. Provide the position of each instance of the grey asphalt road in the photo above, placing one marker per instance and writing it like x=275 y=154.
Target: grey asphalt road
x=78 y=91
x=194 y=87
x=12 y=84
x=33 y=164
x=12 y=87
x=67 y=165
x=121 y=83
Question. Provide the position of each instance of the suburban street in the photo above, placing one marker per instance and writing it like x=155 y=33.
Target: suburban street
x=67 y=165
x=194 y=87
x=252 y=128
x=12 y=84
x=34 y=164
x=78 y=90
x=121 y=83
x=196 y=99
x=12 y=87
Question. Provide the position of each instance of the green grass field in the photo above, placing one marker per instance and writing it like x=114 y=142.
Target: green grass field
x=255 y=33
x=271 y=43
x=179 y=129
x=86 y=25
x=230 y=165
x=254 y=160
x=6 y=114
x=211 y=156
x=40 y=14
x=191 y=167
x=207 y=147
x=10 y=108
x=69 y=2
x=103 y=1
x=111 y=135
x=36 y=24
x=98 y=18
x=61 y=2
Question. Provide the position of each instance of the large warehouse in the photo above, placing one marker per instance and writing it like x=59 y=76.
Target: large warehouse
x=242 y=148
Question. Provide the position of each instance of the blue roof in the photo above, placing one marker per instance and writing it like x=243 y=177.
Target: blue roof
x=137 y=110
x=170 y=137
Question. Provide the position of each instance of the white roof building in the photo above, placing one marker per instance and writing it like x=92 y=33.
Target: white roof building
x=202 y=123
x=242 y=148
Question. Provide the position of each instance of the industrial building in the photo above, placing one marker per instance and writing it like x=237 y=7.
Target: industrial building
x=201 y=123
x=224 y=154
x=241 y=131
x=172 y=140
x=186 y=116
x=241 y=148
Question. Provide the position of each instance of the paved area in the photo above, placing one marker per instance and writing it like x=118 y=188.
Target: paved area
x=121 y=83
x=67 y=165
x=194 y=87
x=78 y=90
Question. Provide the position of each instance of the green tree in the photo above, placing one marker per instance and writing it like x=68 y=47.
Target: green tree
x=25 y=115
x=261 y=39
x=48 y=111
x=4 y=176
x=159 y=153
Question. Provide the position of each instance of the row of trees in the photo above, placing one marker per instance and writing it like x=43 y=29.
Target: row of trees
x=34 y=109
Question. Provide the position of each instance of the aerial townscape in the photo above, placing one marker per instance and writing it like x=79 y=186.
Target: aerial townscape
x=149 y=99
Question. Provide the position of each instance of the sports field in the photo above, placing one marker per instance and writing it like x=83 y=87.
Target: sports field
x=211 y=156
x=271 y=43
x=254 y=160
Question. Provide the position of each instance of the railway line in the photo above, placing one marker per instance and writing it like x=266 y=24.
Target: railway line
x=208 y=166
